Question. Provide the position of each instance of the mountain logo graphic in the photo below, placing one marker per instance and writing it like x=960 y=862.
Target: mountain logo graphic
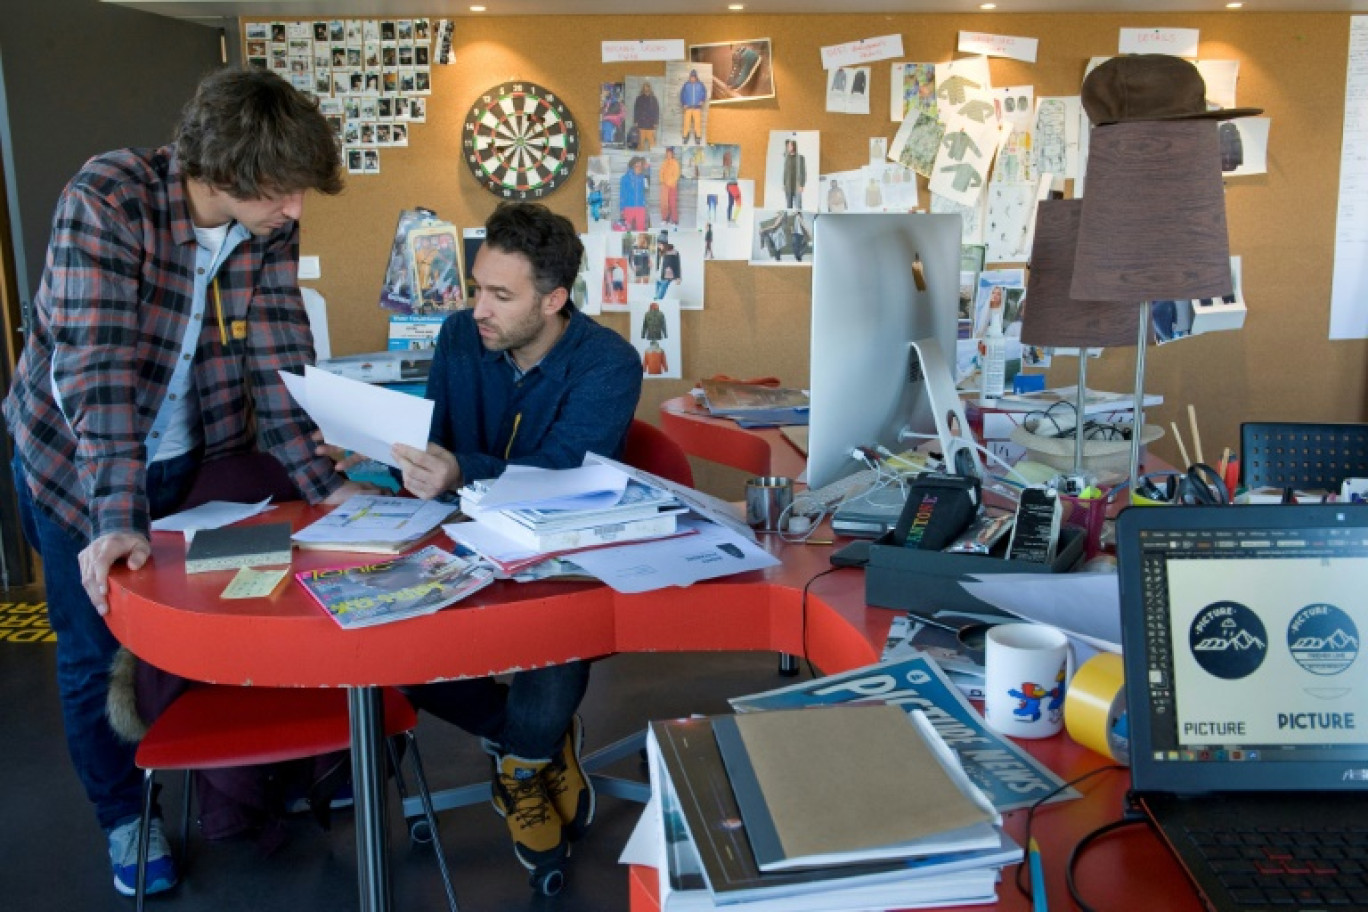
x=1228 y=640
x=1323 y=639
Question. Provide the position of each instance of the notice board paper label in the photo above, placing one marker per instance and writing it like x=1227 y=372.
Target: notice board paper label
x=998 y=45
x=866 y=50
x=1175 y=41
x=644 y=49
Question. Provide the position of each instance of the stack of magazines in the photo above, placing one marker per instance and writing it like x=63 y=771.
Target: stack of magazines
x=787 y=807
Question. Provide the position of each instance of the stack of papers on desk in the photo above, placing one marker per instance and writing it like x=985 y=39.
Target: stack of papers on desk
x=710 y=541
x=698 y=832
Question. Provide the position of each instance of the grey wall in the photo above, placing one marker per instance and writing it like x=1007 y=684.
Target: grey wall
x=78 y=77
x=81 y=77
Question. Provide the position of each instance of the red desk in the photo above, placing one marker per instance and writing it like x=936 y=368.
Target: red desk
x=179 y=623
x=760 y=451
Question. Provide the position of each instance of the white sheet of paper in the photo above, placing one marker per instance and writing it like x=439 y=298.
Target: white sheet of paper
x=361 y=417
x=581 y=488
x=480 y=538
x=317 y=309
x=1084 y=605
x=209 y=515
x=643 y=566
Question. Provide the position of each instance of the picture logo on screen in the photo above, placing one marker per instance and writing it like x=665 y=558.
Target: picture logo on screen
x=1228 y=640
x=1323 y=639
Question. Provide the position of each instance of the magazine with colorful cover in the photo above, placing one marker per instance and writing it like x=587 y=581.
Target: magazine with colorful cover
x=435 y=266
x=1007 y=774
x=396 y=293
x=408 y=586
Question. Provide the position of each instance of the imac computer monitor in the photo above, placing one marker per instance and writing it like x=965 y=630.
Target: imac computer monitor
x=867 y=309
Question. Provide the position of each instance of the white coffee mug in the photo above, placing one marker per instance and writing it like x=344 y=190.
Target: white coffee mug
x=1026 y=672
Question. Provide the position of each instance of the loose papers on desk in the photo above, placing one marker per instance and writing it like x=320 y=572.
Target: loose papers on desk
x=1086 y=606
x=358 y=416
x=369 y=522
x=209 y=515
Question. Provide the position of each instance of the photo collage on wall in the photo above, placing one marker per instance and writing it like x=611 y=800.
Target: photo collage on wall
x=372 y=77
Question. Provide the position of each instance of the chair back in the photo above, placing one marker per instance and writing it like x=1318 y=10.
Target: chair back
x=1302 y=456
x=651 y=449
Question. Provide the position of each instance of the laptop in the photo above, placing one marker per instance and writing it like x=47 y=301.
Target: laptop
x=1248 y=696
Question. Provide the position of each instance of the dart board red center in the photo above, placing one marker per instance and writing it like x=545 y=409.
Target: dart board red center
x=520 y=141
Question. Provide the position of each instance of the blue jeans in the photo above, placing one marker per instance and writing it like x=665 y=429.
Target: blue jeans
x=85 y=647
x=528 y=719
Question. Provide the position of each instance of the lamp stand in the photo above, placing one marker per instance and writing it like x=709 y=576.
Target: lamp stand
x=1080 y=395
x=1138 y=419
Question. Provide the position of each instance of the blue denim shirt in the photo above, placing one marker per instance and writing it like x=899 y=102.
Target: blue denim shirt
x=581 y=398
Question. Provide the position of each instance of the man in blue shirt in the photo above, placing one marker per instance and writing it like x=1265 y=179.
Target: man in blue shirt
x=524 y=377
x=633 y=190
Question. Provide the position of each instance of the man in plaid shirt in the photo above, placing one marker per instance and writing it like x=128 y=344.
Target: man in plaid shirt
x=168 y=303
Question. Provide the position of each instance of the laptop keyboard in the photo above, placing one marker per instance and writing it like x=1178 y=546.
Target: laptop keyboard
x=1293 y=867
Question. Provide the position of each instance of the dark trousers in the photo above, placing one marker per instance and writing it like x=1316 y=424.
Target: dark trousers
x=527 y=718
x=85 y=646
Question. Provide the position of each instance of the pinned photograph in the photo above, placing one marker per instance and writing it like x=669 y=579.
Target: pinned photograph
x=848 y=90
x=782 y=238
x=655 y=335
x=684 y=105
x=741 y=70
x=612 y=116
x=786 y=170
x=726 y=211
x=643 y=105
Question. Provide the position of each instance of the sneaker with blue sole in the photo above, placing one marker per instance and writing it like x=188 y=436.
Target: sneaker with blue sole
x=123 y=857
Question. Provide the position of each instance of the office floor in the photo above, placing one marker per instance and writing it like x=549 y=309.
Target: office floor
x=52 y=854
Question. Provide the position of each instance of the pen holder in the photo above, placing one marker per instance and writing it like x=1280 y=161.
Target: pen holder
x=1087 y=514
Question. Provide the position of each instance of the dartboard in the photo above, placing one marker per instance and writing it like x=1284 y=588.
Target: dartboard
x=520 y=140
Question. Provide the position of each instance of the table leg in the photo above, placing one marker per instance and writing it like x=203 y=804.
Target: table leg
x=367 y=711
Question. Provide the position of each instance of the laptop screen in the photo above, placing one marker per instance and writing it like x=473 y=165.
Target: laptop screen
x=1241 y=633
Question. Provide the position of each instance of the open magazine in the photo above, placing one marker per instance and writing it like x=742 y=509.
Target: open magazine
x=411 y=585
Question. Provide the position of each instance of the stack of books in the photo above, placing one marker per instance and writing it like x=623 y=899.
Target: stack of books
x=832 y=809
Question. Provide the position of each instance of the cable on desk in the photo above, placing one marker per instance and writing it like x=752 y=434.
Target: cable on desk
x=1030 y=819
x=1083 y=844
x=812 y=671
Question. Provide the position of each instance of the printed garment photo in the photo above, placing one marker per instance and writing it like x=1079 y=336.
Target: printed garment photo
x=741 y=70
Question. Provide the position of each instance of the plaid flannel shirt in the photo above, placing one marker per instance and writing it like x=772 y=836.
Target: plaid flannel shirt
x=107 y=325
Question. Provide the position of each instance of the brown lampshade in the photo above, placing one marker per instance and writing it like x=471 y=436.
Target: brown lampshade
x=1050 y=316
x=1153 y=223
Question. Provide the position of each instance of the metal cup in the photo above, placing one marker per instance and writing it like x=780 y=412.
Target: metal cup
x=767 y=497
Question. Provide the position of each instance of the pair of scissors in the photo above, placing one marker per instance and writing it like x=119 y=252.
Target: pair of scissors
x=1200 y=484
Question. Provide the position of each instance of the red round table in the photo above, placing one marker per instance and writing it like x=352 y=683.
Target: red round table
x=178 y=622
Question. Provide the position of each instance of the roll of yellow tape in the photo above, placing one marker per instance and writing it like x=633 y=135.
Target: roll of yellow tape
x=1095 y=707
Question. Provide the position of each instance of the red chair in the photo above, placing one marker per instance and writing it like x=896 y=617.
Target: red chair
x=216 y=726
x=649 y=448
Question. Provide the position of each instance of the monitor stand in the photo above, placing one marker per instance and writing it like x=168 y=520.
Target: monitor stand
x=875 y=513
x=961 y=458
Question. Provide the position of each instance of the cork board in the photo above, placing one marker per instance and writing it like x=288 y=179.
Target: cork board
x=755 y=320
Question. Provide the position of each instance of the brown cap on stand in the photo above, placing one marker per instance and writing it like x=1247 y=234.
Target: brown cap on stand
x=1150 y=87
x=1050 y=316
